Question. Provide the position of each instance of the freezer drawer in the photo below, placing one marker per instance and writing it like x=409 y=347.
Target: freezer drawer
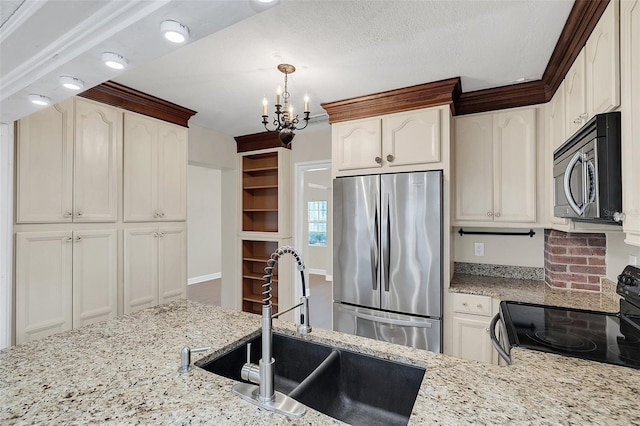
x=417 y=332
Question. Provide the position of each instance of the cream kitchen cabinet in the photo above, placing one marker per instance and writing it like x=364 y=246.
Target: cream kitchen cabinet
x=155 y=170
x=395 y=142
x=556 y=135
x=495 y=168
x=68 y=158
x=155 y=266
x=471 y=319
x=64 y=279
x=630 y=64
x=592 y=85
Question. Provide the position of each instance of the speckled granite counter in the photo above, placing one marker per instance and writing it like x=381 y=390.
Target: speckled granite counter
x=533 y=291
x=124 y=371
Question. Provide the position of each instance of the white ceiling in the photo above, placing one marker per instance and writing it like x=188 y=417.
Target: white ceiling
x=341 y=49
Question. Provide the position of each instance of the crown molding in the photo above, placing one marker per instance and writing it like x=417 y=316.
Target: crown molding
x=256 y=141
x=443 y=92
x=130 y=99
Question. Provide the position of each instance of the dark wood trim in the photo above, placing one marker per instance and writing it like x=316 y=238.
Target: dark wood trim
x=130 y=99
x=582 y=19
x=409 y=98
x=522 y=94
x=256 y=141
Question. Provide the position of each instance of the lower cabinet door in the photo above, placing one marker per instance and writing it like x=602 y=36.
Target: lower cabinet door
x=95 y=282
x=43 y=284
x=471 y=338
x=172 y=272
x=140 y=268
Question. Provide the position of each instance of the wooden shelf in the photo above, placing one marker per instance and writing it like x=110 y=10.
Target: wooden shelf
x=260 y=169
x=260 y=192
x=254 y=259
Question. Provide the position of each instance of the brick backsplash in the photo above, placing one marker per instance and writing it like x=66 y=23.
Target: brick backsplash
x=574 y=260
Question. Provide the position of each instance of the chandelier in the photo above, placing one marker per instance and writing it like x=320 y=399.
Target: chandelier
x=285 y=122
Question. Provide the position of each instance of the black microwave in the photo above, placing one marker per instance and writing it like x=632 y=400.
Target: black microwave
x=587 y=180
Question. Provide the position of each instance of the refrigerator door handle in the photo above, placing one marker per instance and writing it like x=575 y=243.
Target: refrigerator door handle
x=386 y=249
x=374 y=252
x=406 y=323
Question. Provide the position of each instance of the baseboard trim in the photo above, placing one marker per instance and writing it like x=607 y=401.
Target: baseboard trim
x=203 y=278
x=322 y=272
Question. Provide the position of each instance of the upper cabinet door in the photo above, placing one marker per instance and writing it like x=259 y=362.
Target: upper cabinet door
x=514 y=160
x=603 y=63
x=98 y=135
x=575 y=88
x=357 y=144
x=44 y=163
x=412 y=138
x=474 y=168
x=140 y=168
x=172 y=172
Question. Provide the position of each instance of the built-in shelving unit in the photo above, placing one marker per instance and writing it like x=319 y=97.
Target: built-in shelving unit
x=254 y=258
x=260 y=192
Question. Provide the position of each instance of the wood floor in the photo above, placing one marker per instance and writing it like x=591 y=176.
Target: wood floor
x=320 y=298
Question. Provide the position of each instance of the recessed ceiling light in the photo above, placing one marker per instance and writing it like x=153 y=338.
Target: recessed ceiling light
x=71 y=82
x=115 y=61
x=39 y=99
x=174 y=31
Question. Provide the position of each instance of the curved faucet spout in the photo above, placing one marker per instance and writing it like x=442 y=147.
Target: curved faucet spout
x=264 y=373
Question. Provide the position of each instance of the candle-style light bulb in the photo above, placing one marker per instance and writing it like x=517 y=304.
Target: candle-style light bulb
x=306 y=103
x=290 y=113
x=264 y=106
x=278 y=93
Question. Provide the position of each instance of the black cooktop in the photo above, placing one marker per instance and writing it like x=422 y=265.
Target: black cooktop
x=596 y=336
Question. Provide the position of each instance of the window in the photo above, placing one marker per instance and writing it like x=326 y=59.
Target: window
x=317 y=211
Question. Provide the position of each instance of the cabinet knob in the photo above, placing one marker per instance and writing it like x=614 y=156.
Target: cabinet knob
x=78 y=239
x=69 y=239
x=379 y=160
x=577 y=120
x=68 y=214
x=161 y=234
x=584 y=116
x=489 y=214
x=155 y=234
x=497 y=215
x=78 y=214
x=161 y=214
x=464 y=303
x=390 y=158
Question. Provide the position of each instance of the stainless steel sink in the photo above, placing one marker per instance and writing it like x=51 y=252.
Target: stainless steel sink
x=355 y=388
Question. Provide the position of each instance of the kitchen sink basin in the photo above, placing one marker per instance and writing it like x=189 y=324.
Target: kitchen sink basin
x=352 y=387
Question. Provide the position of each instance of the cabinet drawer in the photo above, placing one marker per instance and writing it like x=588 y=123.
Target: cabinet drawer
x=472 y=304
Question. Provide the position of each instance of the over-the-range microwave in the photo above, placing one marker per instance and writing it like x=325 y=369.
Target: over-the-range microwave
x=587 y=178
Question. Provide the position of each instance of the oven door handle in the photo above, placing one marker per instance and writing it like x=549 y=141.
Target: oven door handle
x=567 y=184
x=494 y=340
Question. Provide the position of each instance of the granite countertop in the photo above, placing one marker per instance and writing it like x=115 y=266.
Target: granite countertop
x=124 y=371
x=534 y=291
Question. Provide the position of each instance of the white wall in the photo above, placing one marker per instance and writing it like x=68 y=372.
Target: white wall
x=501 y=250
x=204 y=218
x=212 y=149
x=618 y=254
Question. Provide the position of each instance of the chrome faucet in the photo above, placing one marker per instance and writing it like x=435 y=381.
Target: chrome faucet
x=264 y=395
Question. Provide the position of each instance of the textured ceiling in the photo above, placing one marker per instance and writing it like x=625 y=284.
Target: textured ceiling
x=344 y=49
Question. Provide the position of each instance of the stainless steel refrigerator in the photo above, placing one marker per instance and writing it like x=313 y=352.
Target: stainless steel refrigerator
x=387 y=258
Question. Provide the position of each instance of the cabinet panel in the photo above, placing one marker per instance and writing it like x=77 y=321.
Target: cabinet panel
x=357 y=145
x=515 y=166
x=140 y=269
x=43 y=284
x=140 y=168
x=556 y=135
x=44 y=165
x=172 y=255
x=172 y=172
x=603 y=63
x=471 y=338
x=630 y=60
x=97 y=138
x=95 y=282
x=575 y=90
x=412 y=138
x=474 y=168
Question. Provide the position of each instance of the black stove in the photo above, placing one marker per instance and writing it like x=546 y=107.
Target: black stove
x=597 y=336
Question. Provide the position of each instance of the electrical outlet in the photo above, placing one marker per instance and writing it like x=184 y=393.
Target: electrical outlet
x=633 y=260
x=478 y=249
